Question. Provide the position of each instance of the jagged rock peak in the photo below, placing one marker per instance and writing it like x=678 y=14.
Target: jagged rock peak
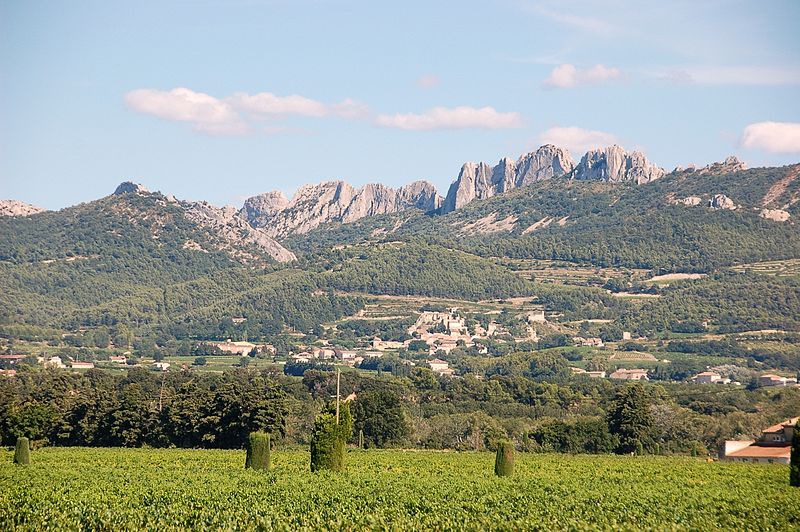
x=336 y=201
x=479 y=181
x=12 y=207
x=127 y=187
x=266 y=204
x=614 y=165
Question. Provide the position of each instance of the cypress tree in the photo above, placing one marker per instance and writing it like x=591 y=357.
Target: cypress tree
x=504 y=460
x=794 y=461
x=22 y=453
x=257 y=451
x=328 y=439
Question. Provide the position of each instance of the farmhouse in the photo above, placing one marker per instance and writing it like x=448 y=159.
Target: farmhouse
x=775 y=380
x=121 y=359
x=8 y=372
x=236 y=348
x=774 y=445
x=161 y=366
x=630 y=375
x=441 y=367
x=710 y=377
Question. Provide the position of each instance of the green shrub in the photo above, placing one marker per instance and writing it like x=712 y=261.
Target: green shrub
x=328 y=439
x=257 y=451
x=22 y=453
x=504 y=461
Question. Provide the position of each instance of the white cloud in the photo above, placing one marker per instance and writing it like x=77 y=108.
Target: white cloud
x=593 y=25
x=567 y=76
x=774 y=137
x=452 y=118
x=204 y=112
x=266 y=103
x=577 y=140
x=428 y=81
x=230 y=116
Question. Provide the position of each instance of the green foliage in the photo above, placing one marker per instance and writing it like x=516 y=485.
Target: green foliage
x=582 y=436
x=22 y=452
x=630 y=419
x=258 y=452
x=794 y=459
x=504 y=459
x=328 y=439
x=117 y=489
x=380 y=419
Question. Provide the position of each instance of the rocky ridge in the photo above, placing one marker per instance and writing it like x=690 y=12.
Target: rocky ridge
x=334 y=201
x=18 y=208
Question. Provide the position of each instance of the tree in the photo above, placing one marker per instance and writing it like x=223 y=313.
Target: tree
x=257 y=451
x=380 y=416
x=504 y=460
x=630 y=419
x=22 y=452
x=329 y=437
x=794 y=461
x=200 y=361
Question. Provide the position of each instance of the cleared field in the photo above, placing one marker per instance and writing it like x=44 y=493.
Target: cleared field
x=790 y=267
x=133 y=489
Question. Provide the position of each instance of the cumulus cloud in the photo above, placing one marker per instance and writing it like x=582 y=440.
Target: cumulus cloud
x=567 y=76
x=774 y=137
x=577 y=140
x=204 y=112
x=452 y=118
x=231 y=115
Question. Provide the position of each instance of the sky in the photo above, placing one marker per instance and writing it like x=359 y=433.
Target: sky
x=221 y=100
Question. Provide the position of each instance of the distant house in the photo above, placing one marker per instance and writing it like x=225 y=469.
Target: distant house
x=775 y=380
x=774 y=445
x=630 y=375
x=122 y=359
x=8 y=372
x=441 y=367
x=596 y=374
x=707 y=377
x=301 y=358
x=12 y=359
x=236 y=348
x=382 y=345
x=161 y=366
x=51 y=362
x=588 y=342
x=82 y=365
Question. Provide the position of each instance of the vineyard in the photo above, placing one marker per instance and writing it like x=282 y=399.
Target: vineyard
x=132 y=489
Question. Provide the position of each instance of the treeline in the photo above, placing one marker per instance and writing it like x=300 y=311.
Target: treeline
x=141 y=408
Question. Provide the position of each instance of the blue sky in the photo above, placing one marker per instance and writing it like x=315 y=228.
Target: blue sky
x=222 y=100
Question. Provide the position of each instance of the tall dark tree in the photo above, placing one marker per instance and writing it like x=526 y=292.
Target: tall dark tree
x=380 y=416
x=630 y=419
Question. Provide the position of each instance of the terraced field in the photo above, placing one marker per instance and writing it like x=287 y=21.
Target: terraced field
x=134 y=489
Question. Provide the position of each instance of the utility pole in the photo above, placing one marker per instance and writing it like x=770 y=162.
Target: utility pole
x=338 y=375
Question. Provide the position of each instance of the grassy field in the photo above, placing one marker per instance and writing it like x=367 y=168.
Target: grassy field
x=133 y=489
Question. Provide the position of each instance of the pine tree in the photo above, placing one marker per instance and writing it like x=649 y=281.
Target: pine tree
x=258 y=455
x=794 y=461
x=22 y=453
x=504 y=460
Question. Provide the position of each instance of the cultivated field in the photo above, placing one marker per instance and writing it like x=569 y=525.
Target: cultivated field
x=133 y=489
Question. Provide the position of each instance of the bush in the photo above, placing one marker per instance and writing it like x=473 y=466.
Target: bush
x=22 y=453
x=504 y=461
x=257 y=451
x=328 y=439
x=794 y=462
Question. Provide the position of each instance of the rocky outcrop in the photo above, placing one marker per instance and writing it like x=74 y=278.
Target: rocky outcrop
x=776 y=215
x=129 y=187
x=721 y=202
x=335 y=201
x=729 y=165
x=614 y=165
x=232 y=233
x=18 y=208
x=480 y=181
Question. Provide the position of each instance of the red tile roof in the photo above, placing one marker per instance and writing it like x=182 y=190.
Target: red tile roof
x=779 y=427
x=758 y=451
